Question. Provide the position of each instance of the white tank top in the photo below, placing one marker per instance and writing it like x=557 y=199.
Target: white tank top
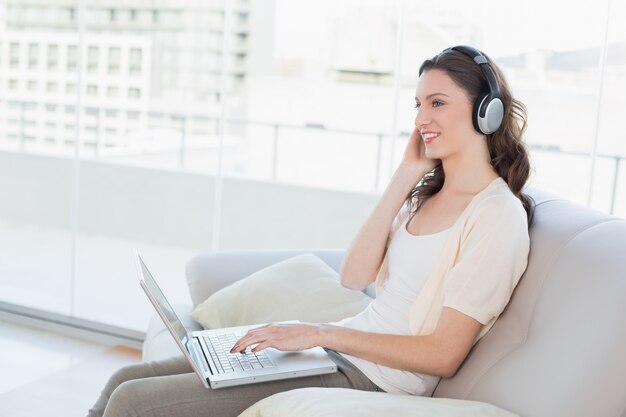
x=411 y=261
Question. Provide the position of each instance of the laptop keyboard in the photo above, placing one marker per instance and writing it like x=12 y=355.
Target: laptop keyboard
x=219 y=348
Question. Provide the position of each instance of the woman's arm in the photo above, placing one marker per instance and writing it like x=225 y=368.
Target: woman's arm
x=366 y=252
x=440 y=353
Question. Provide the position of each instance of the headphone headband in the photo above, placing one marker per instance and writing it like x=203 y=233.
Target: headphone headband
x=483 y=62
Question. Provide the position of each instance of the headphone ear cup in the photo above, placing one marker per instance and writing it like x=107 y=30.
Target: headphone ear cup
x=487 y=114
x=479 y=104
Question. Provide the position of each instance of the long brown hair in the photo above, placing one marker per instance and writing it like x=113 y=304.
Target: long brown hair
x=507 y=150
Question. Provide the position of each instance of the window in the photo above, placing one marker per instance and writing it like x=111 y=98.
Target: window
x=134 y=93
x=32 y=85
x=184 y=77
x=135 y=61
x=53 y=57
x=92 y=59
x=72 y=57
x=14 y=84
x=33 y=52
x=242 y=17
x=14 y=55
x=114 y=60
x=113 y=91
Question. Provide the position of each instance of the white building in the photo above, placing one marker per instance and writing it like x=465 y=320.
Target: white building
x=186 y=36
x=39 y=83
x=147 y=66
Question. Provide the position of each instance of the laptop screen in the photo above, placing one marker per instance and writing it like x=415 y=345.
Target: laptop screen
x=162 y=302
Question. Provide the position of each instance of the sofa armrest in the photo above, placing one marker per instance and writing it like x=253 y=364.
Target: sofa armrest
x=209 y=272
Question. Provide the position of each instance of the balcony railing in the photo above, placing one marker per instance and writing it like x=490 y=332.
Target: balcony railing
x=181 y=124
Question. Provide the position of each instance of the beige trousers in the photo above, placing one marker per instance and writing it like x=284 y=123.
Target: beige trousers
x=170 y=388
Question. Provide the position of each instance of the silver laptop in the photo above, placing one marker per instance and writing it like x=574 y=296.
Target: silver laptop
x=208 y=351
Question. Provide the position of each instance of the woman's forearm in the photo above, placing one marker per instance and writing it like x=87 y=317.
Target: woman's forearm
x=438 y=353
x=411 y=353
x=365 y=254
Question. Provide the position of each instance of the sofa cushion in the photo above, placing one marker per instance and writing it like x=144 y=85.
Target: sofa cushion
x=300 y=288
x=343 y=402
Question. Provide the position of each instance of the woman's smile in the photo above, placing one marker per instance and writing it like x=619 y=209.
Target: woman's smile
x=429 y=136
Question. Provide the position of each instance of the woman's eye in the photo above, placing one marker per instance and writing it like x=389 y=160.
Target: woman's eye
x=417 y=105
x=437 y=103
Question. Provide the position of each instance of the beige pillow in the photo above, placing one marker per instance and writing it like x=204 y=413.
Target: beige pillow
x=300 y=288
x=342 y=402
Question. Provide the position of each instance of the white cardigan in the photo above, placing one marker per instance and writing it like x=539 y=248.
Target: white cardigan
x=482 y=261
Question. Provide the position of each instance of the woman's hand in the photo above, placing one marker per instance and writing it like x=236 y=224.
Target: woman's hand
x=415 y=153
x=297 y=336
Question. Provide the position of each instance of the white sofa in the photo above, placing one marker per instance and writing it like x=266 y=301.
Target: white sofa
x=558 y=349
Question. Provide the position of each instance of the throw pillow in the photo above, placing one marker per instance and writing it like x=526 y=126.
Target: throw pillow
x=343 y=402
x=301 y=288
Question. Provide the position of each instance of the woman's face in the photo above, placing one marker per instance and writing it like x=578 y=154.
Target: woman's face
x=444 y=115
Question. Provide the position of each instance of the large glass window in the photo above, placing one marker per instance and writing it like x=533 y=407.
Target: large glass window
x=609 y=187
x=196 y=126
x=35 y=183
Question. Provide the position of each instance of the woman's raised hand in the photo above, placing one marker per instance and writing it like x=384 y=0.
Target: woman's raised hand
x=415 y=154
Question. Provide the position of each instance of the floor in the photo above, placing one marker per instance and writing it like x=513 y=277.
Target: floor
x=42 y=373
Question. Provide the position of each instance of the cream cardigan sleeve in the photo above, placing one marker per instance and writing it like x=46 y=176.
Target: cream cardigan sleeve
x=493 y=256
x=483 y=259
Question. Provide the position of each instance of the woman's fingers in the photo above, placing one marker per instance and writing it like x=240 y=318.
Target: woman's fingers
x=261 y=346
x=243 y=343
x=248 y=339
x=251 y=338
x=281 y=337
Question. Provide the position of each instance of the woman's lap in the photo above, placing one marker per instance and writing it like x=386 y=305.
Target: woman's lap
x=170 y=387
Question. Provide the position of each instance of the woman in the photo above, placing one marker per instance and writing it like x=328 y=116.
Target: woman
x=444 y=271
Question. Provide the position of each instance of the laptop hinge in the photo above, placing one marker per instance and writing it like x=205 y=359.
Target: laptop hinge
x=196 y=351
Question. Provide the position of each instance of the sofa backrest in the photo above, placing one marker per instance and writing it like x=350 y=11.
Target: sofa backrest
x=559 y=348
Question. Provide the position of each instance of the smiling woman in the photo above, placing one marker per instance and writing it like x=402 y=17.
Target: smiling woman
x=466 y=107
x=437 y=291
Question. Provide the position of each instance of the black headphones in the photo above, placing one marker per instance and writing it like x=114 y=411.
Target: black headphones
x=488 y=108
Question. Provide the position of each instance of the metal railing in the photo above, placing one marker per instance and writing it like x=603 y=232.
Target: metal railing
x=181 y=122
